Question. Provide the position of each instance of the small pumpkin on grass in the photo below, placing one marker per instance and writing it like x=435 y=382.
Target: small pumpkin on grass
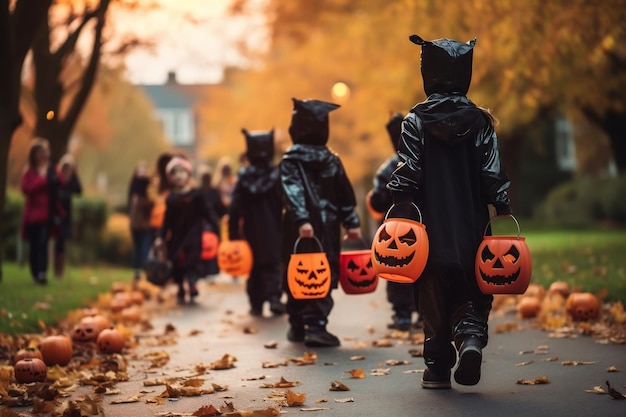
x=29 y=352
x=30 y=370
x=110 y=341
x=56 y=350
x=582 y=306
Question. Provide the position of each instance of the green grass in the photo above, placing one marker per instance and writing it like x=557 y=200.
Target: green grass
x=21 y=300
x=589 y=260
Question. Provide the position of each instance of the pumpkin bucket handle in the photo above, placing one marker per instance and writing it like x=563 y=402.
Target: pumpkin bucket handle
x=405 y=204
x=509 y=215
x=319 y=244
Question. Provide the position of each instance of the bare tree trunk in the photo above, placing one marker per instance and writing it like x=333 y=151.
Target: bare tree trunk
x=49 y=89
x=613 y=123
x=17 y=30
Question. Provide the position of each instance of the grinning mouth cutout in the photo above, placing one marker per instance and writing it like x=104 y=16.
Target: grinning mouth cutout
x=314 y=293
x=363 y=283
x=312 y=285
x=500 y=279
x=392 y=260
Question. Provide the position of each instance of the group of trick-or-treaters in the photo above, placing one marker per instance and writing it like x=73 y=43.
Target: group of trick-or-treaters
x=447 y=163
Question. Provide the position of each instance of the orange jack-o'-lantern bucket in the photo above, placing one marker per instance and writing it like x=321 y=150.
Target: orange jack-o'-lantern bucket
x=400 y=248
x=308 y=273
x=503 y=263
x=356 y=271
x=235 y=258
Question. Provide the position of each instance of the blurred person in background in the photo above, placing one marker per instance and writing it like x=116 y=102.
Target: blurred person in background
x=380 y=200
x=42 y=212
x=68 y=187
x=255 y=215
x=139 y=214
x=213 y=201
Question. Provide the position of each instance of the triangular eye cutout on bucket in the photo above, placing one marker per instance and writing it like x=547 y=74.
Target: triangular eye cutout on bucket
x=384 y=236
x=486 y=254
x=408 y=238
x=512 y=255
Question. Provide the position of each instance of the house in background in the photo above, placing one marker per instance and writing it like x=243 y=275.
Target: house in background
x=175 y=106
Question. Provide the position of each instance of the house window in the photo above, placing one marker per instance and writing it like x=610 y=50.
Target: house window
x=565 y=149
x=184 y=128
x=167 y=118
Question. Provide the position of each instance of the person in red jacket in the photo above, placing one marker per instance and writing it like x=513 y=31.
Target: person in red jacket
x=40 y=183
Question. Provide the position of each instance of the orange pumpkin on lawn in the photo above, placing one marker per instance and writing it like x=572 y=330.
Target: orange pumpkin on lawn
x=308 y=274
x=503 y=264
x=400 y=248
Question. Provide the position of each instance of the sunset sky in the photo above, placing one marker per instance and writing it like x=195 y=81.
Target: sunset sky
x=195 y=38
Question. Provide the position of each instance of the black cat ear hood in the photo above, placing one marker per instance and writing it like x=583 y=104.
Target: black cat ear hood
x=309 y=121
x=394 y=128
x=259 y=146
x=446 y=65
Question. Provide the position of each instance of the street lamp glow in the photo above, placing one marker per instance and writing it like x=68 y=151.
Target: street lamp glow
x=340 y=90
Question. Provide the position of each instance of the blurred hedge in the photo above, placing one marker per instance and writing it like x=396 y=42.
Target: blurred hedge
x=91 y=243
x=586 y=202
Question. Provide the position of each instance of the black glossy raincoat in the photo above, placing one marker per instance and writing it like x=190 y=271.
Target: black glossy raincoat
x=256 y=200
x=316 y=190
x=450 y=166
x=315 y=186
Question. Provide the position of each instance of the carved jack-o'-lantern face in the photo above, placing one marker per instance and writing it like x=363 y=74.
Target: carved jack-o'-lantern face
x=400 y=250
x=308 y=275
x=235 y=257
x=356 y=272
x=30 y=370
x=209 y=245
x=85 y=331
x=503 y=265
x=582 y=306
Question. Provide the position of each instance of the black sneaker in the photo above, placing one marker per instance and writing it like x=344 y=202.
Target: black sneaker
x=295 y=334
x=436 y=380
x=256 y=311
x=277 y=308
x=470 y=359
x=315 y=336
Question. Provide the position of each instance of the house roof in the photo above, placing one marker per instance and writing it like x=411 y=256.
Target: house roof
x=172 y=95
x=166 y=96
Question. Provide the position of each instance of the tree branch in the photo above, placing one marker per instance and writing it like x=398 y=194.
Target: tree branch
x=70 y=43
x=90 y=71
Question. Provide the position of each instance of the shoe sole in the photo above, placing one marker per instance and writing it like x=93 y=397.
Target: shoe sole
x=468 y=371
x=315 y=343
x=436 y=384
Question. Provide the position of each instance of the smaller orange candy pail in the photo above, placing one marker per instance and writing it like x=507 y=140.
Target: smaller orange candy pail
x=210 y=243
x=356 y=271
x=503 y=264
x=235 y=258
x=400 y=248
x=308 y=274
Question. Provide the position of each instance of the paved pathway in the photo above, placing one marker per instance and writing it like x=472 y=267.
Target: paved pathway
x=359 y=320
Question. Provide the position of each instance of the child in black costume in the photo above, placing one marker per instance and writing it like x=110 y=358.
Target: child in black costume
x=399 y=295
x=450 y=167
x=186 y=216
x=318 y=200
x=256 y=201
